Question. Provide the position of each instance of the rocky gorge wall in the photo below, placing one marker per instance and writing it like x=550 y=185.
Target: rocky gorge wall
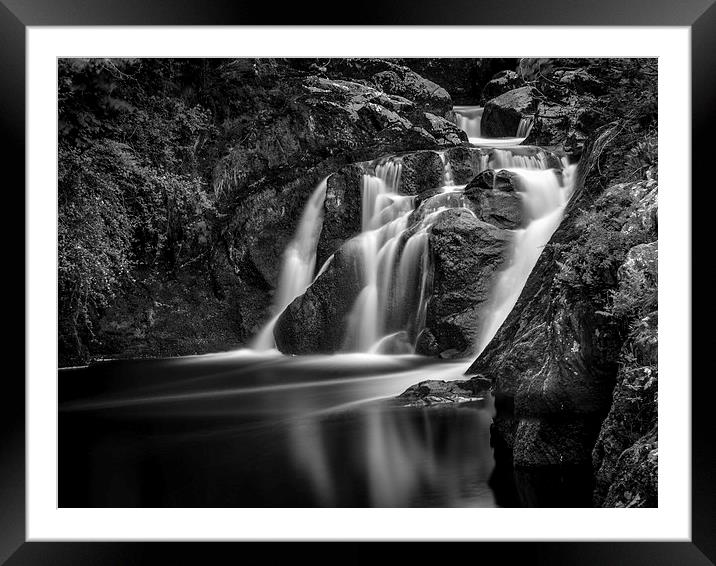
x=574 y=366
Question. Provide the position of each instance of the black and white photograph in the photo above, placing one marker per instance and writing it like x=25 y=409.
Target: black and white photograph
x=357 y=282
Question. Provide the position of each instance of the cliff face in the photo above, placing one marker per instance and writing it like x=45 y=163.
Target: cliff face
x=556 y=359
x=573 y=367
x=625 y=456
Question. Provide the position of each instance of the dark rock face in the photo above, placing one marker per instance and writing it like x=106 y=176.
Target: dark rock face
x=554 y=361
x=464 y=79
x=421 y=171
x=466 y=162
x=633 y=414
x=342 y=210
x=502 y=115
x=312 y=323
x=495 y=198
x=466 y=253
x=635 y=479
x=501 y=83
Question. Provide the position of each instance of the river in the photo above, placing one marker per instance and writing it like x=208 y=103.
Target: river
x=249 y=429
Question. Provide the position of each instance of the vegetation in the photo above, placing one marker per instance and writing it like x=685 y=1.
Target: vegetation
x=131 y=196
x=589 y=265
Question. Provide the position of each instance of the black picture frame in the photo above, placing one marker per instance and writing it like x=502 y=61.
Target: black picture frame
x=17 y=15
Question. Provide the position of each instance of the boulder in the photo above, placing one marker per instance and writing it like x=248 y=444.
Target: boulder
x=501 y=116
x=466 y=252
x=401 y=81
x=466 y=162
x=495 y=198
x=313 y=323
x=421 y=171
x=501 y=83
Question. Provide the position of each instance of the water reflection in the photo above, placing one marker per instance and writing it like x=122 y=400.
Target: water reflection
x=268 y=431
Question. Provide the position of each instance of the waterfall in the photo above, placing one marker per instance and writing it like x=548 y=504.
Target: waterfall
x=524 y=127
x=543 y=199
x=393 y=261
x=298 y=264
x=448 y=177
x=391 y=254
x=469 y=119
x=506 y=159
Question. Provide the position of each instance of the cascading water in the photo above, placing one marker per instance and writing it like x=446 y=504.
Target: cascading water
x=543 y=200
x=391 y=254
x=469 y=119
x=448 y=177
x=506 y=159
x=298 y=265
x=524 y=127
x=394 y=262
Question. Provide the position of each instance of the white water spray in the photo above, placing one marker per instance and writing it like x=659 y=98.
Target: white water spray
x=299 y=263
x=394 y=262
x=544 y=200
x=469 y=119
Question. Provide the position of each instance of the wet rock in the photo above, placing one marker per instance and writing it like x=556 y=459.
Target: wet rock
x=465 y=162
x=554 y=442
x=633 y=414
x=502 y=115
x=446 y=133
x=421 y=171
x=495 y=198
x=342 y=210
x=314 y=322
x=434 y=392
x=427 y=344
x=466 y=252
x=554 y=361
x=501 y=83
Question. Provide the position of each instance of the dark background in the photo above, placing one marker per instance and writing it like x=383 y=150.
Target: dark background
x=16 y=14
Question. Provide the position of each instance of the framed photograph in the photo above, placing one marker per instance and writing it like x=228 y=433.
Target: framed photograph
x=393 y=278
